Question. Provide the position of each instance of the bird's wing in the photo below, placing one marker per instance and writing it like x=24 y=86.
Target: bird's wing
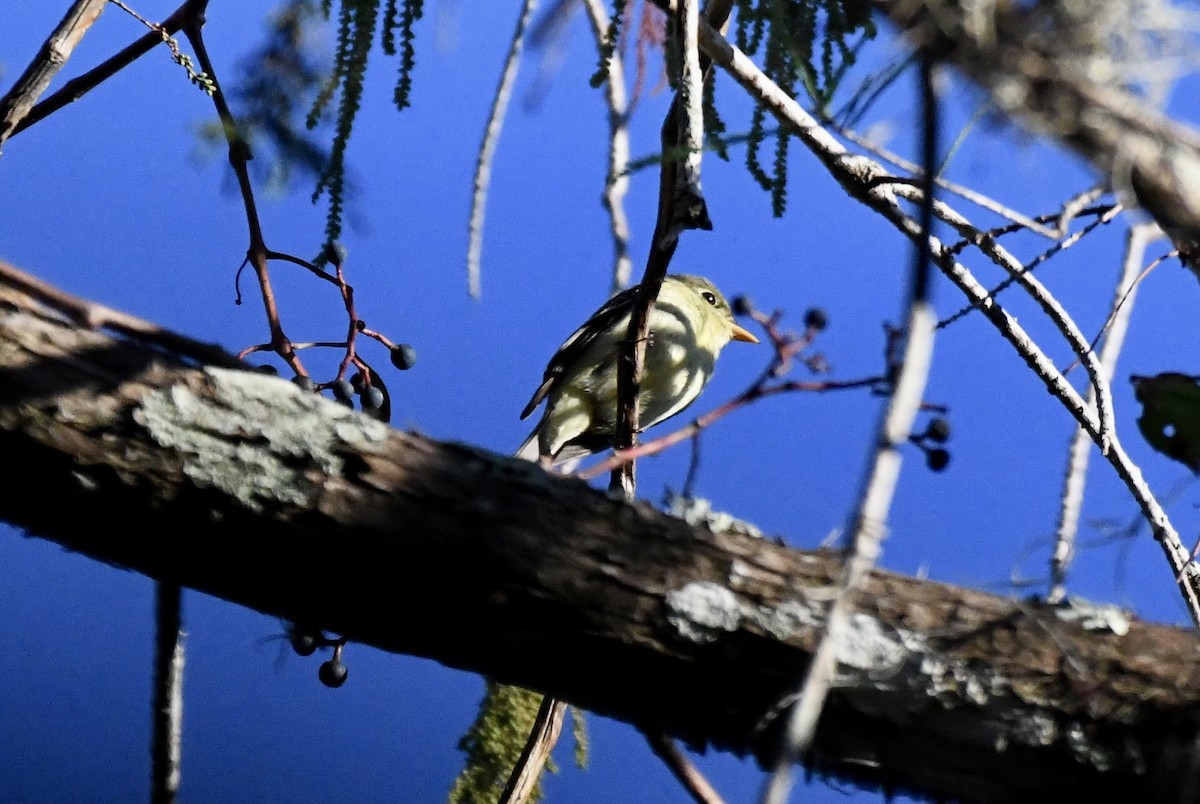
x=601 y=321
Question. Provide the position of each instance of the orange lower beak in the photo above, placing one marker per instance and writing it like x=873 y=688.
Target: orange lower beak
x=740 y=334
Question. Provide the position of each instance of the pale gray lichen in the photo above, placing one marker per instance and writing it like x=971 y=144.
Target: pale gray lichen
x=953 y=682
x=256 y=437
x=699 y=512
x=702 y=610
x=1095 y=616
x=869 y=646
x=784 y=620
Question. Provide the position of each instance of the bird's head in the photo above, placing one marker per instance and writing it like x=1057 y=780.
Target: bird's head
x=716 y=324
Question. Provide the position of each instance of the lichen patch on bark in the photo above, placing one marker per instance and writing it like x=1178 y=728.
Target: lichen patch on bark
x=260 y=439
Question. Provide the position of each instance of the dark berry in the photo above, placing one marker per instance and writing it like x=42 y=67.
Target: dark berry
x=372 y=398
x=267 y=368
x=304 y=383
x=303 y=643
x=404 y=356
x=359 y=324
x=938 y=430
x=937 y=459
x=816 y=319
x=356 y=382
x=333 y=673
x=334 y=253
x=343 y=391
x=742 y=305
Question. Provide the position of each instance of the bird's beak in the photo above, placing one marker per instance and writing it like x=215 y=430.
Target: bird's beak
x=740 y=334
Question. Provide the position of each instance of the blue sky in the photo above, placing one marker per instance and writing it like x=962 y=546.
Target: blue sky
x=114 y=198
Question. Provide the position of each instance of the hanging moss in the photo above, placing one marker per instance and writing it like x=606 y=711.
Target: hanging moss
x=357 y=23
x=805 y=43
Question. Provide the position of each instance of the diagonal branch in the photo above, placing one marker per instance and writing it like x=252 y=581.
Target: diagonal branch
x=1079 y=452
x=20 y=98
x=79 y=86
x=868 y=525
x=94 y=315
x=1024 y=68
x=257 y=253
x=868 y=182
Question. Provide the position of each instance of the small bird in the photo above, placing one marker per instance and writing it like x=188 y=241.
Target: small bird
x=690 y=324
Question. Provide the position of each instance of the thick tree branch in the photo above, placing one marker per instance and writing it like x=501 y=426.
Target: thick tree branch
x=244 y=487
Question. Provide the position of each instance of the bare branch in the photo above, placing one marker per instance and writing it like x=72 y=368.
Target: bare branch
x=693 y=781
x=1050 y=305
x=1040 y=64
x=868 y=182
x=20 y=98
x=167 y=748
x=1075 y=479
x=487 y=149
x=239 y=158
x=676 y=211
x=616 y=184
x=977 y=198
x=868 y=525
x=689 y=200
x=79 y=86
x=94 y=315
x=546 y=728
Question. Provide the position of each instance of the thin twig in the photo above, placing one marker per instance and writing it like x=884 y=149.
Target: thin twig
x=487 y=149
x=16 y=104
x=1079 y=452
x=546 y=728
x=693 y=781
x=1104 y=215
x=868 y=525
x=1075 y=206
x=616 y=184
x=97 y=316
x=167 y=747
x=758 y=390
x=1049 y=303
x=1154 y=263
x=239 y=157
x=79 y=86
x=977 y=198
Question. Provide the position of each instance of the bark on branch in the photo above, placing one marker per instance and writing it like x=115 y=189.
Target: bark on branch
x=244 y=487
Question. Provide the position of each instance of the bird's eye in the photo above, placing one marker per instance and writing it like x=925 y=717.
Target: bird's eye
x=710 y=297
